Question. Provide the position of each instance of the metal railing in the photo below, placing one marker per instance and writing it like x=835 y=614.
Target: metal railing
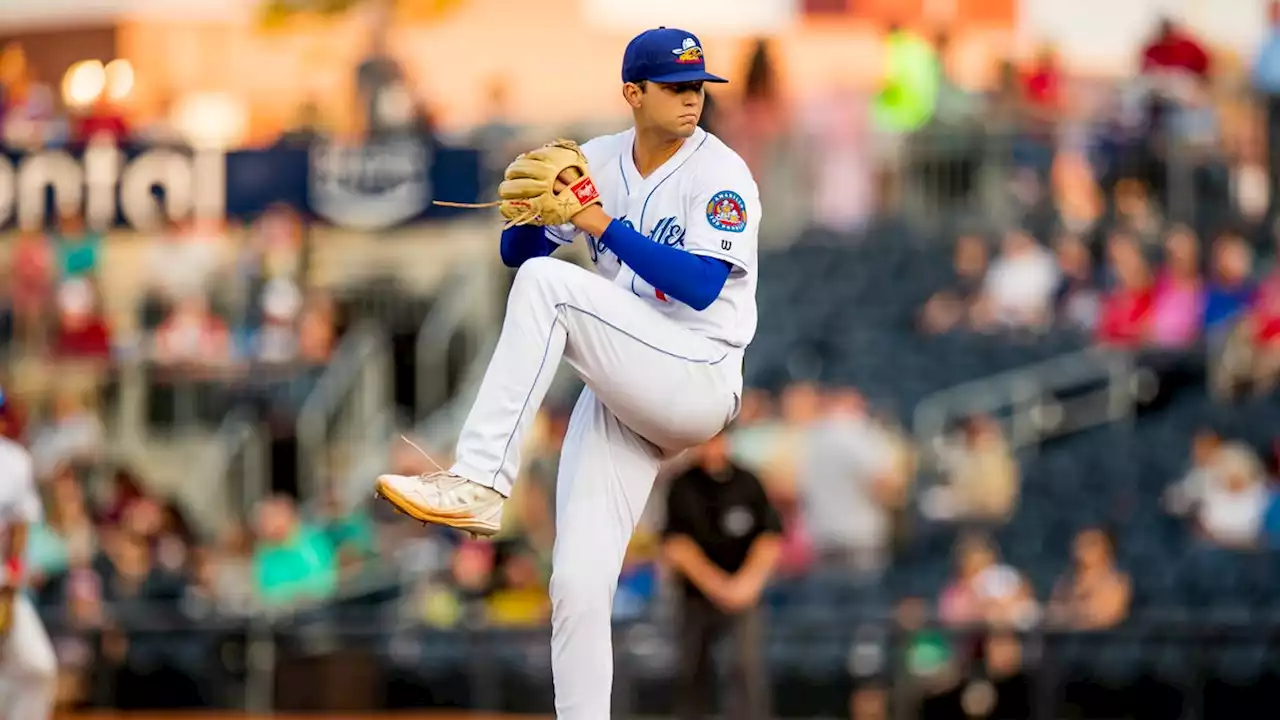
x=1066 y=394
x=466 y=307
x=349 y=404
x=464 y=310
x=241 y=463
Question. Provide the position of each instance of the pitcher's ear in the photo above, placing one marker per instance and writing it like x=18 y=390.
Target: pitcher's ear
x=631 y=92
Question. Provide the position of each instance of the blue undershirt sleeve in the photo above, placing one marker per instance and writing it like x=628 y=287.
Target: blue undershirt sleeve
x=692 y=279
x=524 y=242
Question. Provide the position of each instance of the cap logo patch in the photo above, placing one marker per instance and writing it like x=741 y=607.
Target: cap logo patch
x=689 y=52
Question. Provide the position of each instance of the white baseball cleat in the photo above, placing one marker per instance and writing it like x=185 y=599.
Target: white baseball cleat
x=445 y=499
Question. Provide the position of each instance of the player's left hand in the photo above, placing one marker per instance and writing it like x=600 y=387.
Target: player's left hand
x=547 y=186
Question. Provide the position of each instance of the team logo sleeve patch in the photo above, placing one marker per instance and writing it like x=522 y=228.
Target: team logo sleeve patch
x=727 y=211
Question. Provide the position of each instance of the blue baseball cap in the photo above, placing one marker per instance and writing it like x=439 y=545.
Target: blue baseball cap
x=666 y=55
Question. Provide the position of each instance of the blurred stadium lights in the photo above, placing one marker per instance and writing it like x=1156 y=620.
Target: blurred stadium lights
x=119 y=75
x=83 y=83
x=87 y=81
x=212 y=120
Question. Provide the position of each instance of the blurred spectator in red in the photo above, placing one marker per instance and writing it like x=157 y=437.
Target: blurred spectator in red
x=1231 y=288
x=949 y=308
x=13 y=420
x=1177 y=305
x=1264 y=333
x=1175 y=49
x=1077 y=301
x=103 y=121
x=82 y=330
x=31 y=285
x=1019 y=285
x=192 y=336
x=1042 y=83
x=1126 y=309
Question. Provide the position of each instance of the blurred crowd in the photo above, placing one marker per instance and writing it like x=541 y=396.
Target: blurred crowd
x=1103 y=207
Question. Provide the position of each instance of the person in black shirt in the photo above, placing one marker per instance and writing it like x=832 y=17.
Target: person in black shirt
x=723 y=539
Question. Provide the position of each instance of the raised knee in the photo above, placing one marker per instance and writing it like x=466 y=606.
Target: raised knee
x=535 y=272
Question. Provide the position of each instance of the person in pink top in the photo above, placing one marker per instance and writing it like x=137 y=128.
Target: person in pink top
x=31 y=284
x=1177 y=309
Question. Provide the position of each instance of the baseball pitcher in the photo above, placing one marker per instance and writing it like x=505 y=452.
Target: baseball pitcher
x=657 y=334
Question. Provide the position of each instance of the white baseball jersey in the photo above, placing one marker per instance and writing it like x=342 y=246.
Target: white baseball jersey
x=702 y=200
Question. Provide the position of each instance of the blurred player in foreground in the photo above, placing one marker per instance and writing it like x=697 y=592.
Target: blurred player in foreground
x=657 y=334
x=28 y=669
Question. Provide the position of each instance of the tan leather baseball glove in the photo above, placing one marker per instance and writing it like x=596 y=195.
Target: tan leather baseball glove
x=547 y=186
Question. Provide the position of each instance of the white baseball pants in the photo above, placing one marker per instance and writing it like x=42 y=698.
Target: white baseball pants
x=28 y=668
x=653 y=389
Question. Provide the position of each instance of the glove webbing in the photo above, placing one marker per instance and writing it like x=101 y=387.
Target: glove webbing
x=529 y=215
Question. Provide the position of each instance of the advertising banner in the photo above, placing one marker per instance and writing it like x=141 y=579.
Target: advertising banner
x=369 y=187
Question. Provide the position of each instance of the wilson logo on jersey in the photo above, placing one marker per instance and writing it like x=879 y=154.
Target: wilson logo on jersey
x=727 y=211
